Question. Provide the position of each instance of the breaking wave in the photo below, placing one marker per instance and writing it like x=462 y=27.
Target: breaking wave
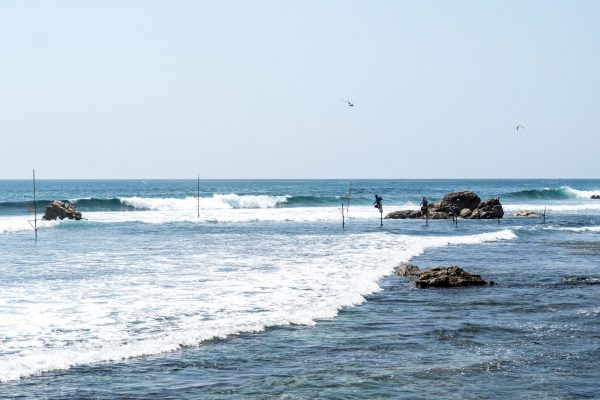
x=217 y=201
x=199 y=303
x=564 y=192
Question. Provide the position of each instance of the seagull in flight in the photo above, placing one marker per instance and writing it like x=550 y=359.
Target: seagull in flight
x=350 y=104
x=520 y=126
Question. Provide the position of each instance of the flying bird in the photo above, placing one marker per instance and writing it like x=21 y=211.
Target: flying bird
x=520 y=126
x=350 y=104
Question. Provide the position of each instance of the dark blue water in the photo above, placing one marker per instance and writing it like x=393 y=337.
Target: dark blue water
x=535 y=334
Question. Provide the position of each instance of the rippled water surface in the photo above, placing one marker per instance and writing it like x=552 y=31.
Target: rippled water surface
x=265 y=296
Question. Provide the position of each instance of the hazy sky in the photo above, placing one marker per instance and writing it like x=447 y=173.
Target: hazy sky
x=253 y=89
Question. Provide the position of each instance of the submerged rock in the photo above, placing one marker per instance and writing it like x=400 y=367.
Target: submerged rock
x=61 y=210
x=452 y=276
x=463 y=204
x=582 y=280
x=596 y=196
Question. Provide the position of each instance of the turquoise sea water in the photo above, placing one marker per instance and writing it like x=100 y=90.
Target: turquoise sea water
x=260 y=293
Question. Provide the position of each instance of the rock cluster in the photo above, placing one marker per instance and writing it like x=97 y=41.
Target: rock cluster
x=463 y=204
x=596 y=196
x=452 y=276
x=61 y=210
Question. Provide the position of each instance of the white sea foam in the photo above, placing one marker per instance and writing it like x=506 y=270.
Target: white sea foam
x=217 y=201
x=550 y=206
x=128 y=303
x=590 y=313
x=581 y=194
x=169 y=212
x=22 y=223
x=575 y=229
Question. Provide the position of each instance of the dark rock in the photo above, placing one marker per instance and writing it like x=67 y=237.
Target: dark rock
x=407 y=270
x=489 y=209
x=527 y=214
x=452 y=276
x=459 y=200
x=404 y=214
x=465 y=213
x=465 y=204
x=596 y=196
x=61 y=210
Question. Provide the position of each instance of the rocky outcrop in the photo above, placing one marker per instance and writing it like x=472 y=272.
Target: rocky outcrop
x=404 y=214
x=489 y=209
x=61 y=210
x=527 y=214
x=445 y=277
x=457 y=201
x=407 y=270
x=596 y=196
x=463 y=204
x=449 y=277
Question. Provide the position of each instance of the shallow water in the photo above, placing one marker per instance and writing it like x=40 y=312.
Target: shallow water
x=262 y=300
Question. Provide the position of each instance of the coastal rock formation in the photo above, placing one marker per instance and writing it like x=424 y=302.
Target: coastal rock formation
x=463 y=204
x=452 y=276
x=61 y=210
x=449 y=277
x=596 y=196
x=407 y=270
x=527 y=214
x=404 y=214
x=457 y=201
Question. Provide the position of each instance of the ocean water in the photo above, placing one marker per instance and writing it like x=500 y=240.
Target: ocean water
x=260 y=293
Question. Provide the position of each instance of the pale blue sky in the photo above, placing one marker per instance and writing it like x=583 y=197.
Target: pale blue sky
x=252 y=89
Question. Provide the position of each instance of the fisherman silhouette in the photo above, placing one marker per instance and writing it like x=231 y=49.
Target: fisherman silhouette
x=377 y=203
x=423 y=205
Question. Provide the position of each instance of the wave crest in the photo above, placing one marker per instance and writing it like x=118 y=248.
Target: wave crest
x=564 y=192
x=217 y=201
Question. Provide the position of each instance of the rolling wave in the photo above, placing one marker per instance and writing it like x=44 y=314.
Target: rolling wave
x=564 y=192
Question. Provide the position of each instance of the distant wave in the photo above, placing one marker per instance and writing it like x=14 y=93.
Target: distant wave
x=217 y=201
x=565 y=192
x=91 y=204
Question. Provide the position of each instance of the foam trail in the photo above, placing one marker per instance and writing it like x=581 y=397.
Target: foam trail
x=574 y=207
x=575 y=229
x=132 y=304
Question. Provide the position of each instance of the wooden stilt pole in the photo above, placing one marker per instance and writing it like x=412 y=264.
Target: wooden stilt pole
x=349 y=196
x=34 y=208
x=343 y=221
x=544 y=214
